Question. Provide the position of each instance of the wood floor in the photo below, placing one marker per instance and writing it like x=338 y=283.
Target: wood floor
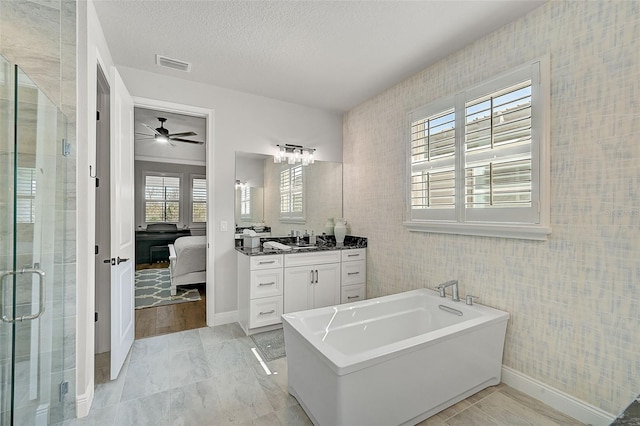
x=165 y=319
x=172 y=318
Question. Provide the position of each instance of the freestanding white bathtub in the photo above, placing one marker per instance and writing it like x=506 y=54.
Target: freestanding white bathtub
x=396 y=359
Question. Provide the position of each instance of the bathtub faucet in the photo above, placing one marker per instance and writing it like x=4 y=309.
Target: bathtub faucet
x=454 y=294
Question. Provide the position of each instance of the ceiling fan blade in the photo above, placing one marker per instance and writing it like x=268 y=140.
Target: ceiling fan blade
x=155 y=132
x=144 y=134
x=182 y=134
x=185 y=140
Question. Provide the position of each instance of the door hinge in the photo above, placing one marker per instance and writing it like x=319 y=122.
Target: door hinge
x=64 y=389
x=97 y=250
x=97 y=182
x=66 y=148
x=98 y=115
x=96 y=317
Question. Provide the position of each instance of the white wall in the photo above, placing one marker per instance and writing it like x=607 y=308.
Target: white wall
x=243 y=122
x=92 y=50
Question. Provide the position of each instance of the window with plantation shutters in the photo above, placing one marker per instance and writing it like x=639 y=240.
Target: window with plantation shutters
x=162 y=199
x=433 y=187
x=245 y=202
x=292 y=193
x=498 y=163
x=479 y=161
x=25 y=195
x=198 y=200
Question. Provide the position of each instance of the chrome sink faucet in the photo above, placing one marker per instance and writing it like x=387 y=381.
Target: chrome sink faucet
x=454 y=295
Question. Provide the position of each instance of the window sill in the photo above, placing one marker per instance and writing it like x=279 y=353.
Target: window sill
x=499 y=230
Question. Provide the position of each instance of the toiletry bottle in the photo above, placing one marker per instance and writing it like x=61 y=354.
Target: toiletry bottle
x=312 y=239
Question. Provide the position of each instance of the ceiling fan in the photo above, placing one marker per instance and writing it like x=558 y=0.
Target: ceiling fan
x=161 y=134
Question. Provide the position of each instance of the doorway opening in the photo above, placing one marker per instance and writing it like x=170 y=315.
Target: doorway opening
x=170 y=171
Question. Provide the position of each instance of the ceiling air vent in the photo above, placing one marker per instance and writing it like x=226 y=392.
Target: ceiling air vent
x=174 y=64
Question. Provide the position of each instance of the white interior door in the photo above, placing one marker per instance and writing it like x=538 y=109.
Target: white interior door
x=122 y=224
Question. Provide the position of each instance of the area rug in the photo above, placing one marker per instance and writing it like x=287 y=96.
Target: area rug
x=270 y=344
x=153 y=289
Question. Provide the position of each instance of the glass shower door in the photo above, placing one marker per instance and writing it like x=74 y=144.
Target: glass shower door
x=33 y=246
x=6 y=236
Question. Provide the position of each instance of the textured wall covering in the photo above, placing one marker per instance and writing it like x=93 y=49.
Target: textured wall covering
x=574 y=299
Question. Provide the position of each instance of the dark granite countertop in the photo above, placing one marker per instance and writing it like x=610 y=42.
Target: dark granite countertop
x=329 y=243
x=631 y=416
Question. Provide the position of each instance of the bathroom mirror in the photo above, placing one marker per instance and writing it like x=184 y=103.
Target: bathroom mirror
x=260 y=203
x=249 y=187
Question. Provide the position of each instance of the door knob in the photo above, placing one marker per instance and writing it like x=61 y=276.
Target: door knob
x=122 y=260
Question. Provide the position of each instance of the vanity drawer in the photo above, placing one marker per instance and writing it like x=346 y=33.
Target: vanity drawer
x=354 y=272
x=317 y=258
x=266 y=262
x=265 y=311
x=265 y=283
x=354 y=254
x=352 y=293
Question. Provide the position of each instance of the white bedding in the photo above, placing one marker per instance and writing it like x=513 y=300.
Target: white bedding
x=188 y=261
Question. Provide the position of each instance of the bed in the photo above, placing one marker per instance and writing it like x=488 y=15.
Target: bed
x=188 y=261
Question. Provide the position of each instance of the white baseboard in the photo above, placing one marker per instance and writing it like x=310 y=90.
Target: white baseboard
x=84 y=401
x=224 y=318
x=554 y=398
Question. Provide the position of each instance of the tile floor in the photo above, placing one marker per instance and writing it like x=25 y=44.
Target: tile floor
x=209 y=376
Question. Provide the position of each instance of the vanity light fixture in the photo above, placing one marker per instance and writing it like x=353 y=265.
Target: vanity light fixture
x=293 y=154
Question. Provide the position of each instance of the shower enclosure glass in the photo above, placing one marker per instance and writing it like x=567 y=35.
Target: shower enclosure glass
x=34 y=166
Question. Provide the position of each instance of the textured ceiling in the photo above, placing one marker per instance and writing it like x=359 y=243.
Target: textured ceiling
x=175 y=152
x=325 y=54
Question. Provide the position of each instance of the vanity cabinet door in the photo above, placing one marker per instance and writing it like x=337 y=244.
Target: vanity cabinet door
x=326 y=291
x=313 y=286
x=297 y=288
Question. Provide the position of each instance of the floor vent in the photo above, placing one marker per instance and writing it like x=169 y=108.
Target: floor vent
x=174 y=64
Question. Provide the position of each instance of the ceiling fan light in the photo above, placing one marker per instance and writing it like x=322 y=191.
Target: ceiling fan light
x=162 y=138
